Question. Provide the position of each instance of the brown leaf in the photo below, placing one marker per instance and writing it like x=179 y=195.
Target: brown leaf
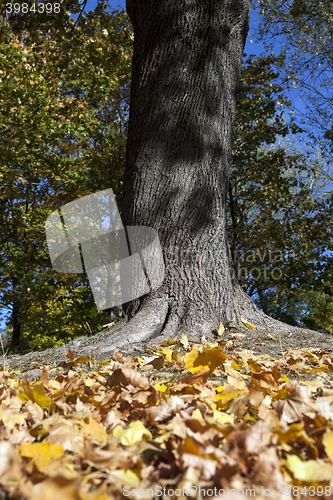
x=55 y=487
x=240 y=406
x=257 y=437
x=112 y=420
x=147 y=397
x=36 y=412
x=71 y=355
x=205 y=466
x=127 y=376
x=251 y=441
x=199 y=377
x=265 y=379
x=156 y=363
x=269 y=416
x=295 y=406
x=267 y=470
x=176 y=356
x=128 y=361
x=69 y=437
x=10 y=463
x=160 y=413
x=102 y=459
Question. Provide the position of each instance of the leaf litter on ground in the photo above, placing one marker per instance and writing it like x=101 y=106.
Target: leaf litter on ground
x=182 y=415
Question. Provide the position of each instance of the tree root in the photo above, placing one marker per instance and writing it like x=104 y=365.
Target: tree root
x=159 y=319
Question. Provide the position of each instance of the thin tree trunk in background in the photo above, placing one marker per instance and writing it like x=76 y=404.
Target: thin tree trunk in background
x=263 y=301
x=16 y=317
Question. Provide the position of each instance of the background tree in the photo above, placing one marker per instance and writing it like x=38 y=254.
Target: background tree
x=279 y=217
x=62 y=124
x=305 y=31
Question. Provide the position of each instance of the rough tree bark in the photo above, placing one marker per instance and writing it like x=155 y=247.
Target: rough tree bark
x=185 y=71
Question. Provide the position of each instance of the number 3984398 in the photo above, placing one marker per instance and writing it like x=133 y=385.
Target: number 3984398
x=38 y=8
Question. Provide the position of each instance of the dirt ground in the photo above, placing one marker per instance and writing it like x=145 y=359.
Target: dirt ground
x=272 y=342
x=277 y=343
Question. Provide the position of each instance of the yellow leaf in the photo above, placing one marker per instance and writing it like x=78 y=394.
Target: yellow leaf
x=210 y=345
x=128 y=478
x=309 y=470
x=220 y=418
x=254 y=366
x=221 y=329
x=161 y=388
x=223 y=418
x=190 y=358
x=118 y=431
x=328 y=442
x=224 y=398
x=41 y=453
x=167 y=352
x=94 y=429
x=184 y=341
x=312 y=355
x=251 y=419
x=247 y=324
x=133 y=434
x=90 y=382
x=197 y=414
x=210 y=358
x=171 y=341
x=36 y=394
x=82 y=359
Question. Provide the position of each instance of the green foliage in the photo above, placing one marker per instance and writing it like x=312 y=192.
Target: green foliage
x=64 y=93
x=280 y=224
x=310 y=309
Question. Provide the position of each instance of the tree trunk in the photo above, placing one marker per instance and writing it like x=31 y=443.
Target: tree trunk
x=185 y=71
x=16 y=316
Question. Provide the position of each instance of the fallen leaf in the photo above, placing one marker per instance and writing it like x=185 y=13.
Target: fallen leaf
x=133 y=434
x=41 y=453
x=71 y=355
x=127 y=376
x=247 y=324
x=209 y=358
x=311 y=471
x=221 y=329
x=295 y=405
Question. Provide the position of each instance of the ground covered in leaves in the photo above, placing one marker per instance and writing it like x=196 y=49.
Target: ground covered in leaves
x=185 y=419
